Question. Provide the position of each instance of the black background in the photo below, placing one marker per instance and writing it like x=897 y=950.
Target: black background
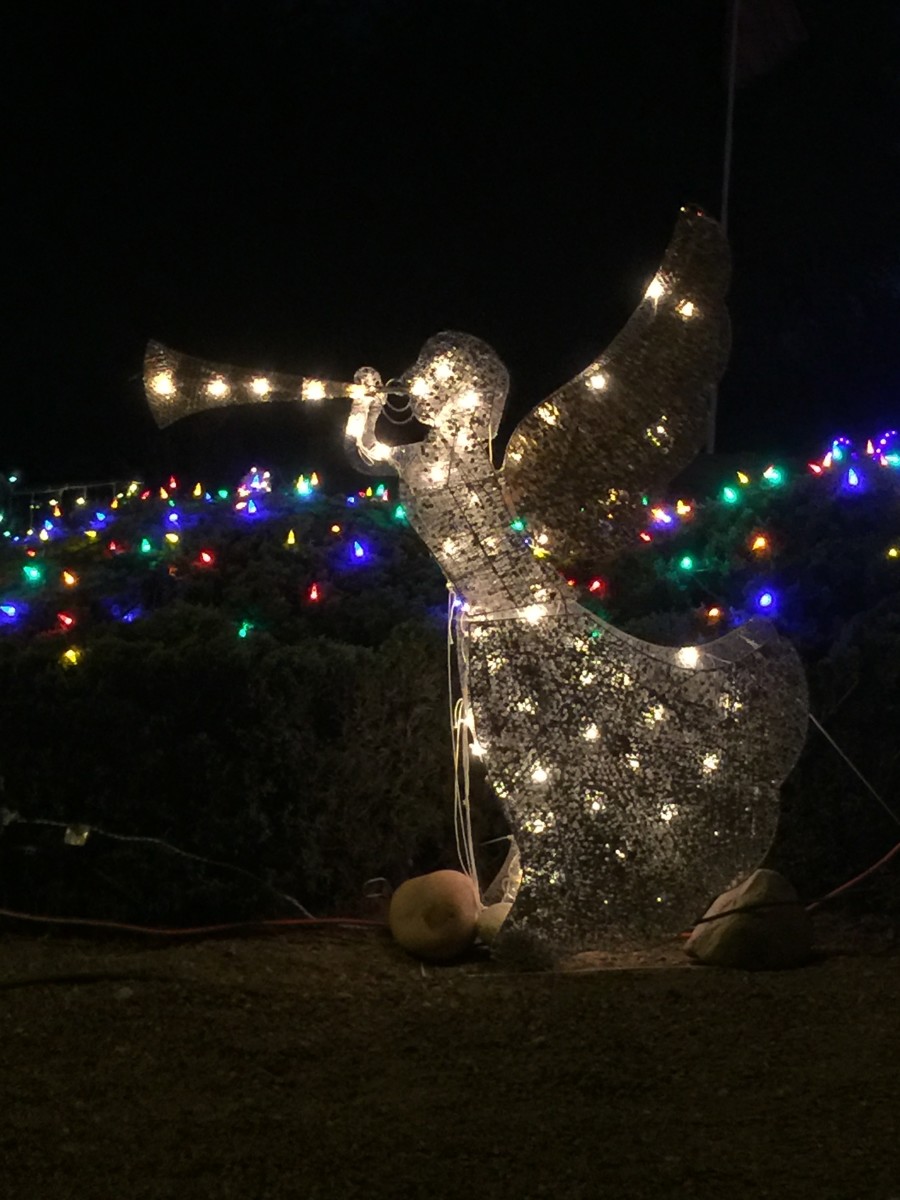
x=311 y=185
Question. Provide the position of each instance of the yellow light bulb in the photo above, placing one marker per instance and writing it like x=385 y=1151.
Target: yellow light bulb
x=656 y=288
x=163 y=384
x=217 y=388
x=356 y=424
x=688 y=656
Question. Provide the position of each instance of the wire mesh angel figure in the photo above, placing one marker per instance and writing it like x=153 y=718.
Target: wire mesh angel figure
x=638 y=780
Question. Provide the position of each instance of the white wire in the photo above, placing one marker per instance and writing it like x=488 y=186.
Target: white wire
x=462 y=809
x=856 y=771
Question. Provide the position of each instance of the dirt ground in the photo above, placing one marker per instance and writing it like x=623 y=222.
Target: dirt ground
x=316 y=1064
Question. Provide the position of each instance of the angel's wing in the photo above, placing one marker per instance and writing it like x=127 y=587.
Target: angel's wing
x=577 y=466
x=178 y=385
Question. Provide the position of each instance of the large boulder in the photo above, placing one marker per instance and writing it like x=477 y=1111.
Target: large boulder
x=434 y=916
x=760 y=925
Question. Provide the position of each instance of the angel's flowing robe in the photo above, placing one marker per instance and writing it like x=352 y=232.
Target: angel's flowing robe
x=639 y=781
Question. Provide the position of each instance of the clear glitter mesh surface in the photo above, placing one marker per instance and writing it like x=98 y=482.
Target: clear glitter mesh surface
x=639 y=781
x=178 y=385
x=640 y=407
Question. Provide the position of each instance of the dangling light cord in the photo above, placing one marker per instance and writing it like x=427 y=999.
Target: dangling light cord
x=462 y=809
x=368 y=458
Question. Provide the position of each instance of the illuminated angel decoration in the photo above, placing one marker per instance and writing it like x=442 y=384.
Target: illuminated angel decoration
x=638 y=780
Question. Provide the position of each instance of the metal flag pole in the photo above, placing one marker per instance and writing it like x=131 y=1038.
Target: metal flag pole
x=726 y=184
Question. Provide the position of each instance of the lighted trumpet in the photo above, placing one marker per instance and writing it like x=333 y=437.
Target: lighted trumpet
x=179 y=385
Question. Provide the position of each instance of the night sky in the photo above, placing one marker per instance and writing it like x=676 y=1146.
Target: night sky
x=309 y=186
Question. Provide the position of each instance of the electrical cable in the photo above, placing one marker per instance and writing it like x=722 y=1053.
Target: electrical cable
x=856 y=771
x=12 y=818
x=281 y=922
x=853 y=882
x=462 y=812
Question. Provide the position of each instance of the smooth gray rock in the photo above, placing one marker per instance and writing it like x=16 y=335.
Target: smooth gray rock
x=771 y=931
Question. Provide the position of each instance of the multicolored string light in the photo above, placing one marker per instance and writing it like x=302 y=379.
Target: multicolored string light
x=79 y=520
x=65 y=524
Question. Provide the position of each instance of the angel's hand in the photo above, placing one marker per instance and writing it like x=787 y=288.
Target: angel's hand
x=363 y=448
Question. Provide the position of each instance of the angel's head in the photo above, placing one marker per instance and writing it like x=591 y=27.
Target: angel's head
x=458 y=382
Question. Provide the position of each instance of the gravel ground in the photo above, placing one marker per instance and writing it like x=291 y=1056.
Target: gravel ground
x=315 y=1065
